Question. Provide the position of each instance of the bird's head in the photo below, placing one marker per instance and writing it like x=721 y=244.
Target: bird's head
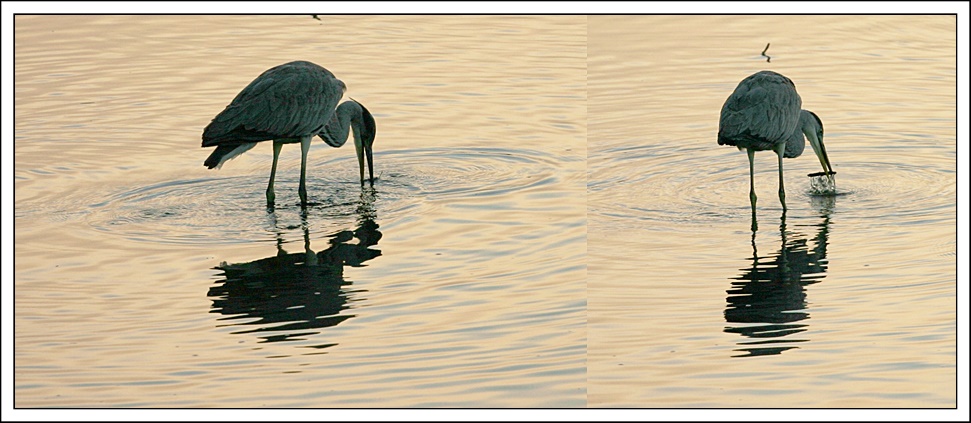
x=812 y=127
x=365 y=130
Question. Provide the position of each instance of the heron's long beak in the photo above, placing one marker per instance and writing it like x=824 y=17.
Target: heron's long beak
x=820 y=149
x=370 y=163
x=359 y=148
x=363 y=140
x=364 y=151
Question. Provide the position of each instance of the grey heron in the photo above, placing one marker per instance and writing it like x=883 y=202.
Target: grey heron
x=765 y=113
x=289 y=104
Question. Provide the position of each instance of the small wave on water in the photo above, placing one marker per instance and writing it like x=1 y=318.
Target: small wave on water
x=821 y=184
x=649 y=184
x=440 y=173
x=217 y=209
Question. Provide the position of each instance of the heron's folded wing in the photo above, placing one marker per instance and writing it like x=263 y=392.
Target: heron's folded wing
x=290 y=100
x=766 y=110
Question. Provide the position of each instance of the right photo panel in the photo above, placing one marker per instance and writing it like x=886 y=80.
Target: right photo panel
x=771 y=210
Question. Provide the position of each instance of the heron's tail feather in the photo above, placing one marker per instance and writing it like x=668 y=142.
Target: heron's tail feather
x=224 y=153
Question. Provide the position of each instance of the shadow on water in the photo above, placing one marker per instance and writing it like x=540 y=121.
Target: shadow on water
x=287 y=296
x=767 y=302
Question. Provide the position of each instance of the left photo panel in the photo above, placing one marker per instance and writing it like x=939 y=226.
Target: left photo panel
x=187 y=235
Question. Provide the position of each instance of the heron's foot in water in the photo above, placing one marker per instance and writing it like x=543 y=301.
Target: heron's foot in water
x=270 y=198
x=303 y=197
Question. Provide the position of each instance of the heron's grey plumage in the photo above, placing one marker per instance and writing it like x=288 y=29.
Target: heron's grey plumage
x=288 y=103
x=290 y=100
x=796 y=144
x=227 y=152
x=765 y=113
x=336 y=131
x=761 y=112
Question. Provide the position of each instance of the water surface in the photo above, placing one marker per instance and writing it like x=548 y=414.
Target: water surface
x=842 y=301
x=145 y=280
x=507 y=256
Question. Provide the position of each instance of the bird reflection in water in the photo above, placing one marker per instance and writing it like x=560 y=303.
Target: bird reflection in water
x=768 y=300
x=286 y=297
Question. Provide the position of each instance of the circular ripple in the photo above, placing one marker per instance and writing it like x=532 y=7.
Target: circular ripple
x=695 y=186
x=211 y=210
x=439 y=173
x=232 y=209
x=411 y=178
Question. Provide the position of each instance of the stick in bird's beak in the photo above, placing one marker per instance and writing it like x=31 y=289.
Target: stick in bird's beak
x=820 y=149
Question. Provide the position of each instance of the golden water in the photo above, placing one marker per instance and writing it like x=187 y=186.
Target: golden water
x=553 y=223
x=478 y=294
x=842 y=301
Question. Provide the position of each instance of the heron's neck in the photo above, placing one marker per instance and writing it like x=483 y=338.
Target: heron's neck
x=807 y=123
x=336 y=131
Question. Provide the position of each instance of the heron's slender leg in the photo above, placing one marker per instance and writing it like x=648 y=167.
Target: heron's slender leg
x=270 y=196
x=751 y=177
x=779 y=150
x=304 y=149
